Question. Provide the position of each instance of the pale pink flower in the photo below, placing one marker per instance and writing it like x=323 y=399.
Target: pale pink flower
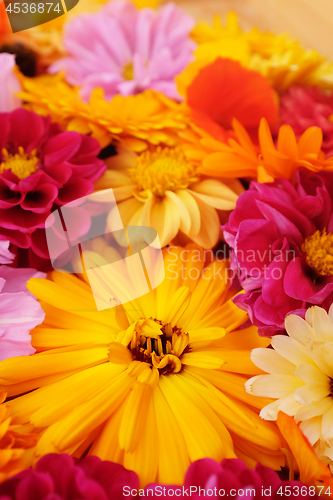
x=125 y=50
x=6 y=257
x=19 y=312
x=9 y=84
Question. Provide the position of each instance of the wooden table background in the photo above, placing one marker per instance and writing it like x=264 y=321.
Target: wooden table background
x=310 y=21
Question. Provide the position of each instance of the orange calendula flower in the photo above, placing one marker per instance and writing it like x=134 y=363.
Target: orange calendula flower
x=154 y=384
x=134 y=121
x=13 y=443
x=224 y=90
x=240 y=157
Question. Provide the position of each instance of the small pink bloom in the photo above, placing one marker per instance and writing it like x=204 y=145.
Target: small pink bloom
x=9 y=84
x=19 y=312
x=124 y=50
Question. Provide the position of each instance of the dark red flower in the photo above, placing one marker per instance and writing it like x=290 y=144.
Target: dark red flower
x=304 y=107
x=41 y=168
x=61 y=477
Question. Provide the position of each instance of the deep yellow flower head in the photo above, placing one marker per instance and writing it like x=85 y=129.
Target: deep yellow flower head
x=135 y=121
x=153 y=384
x=13 y=443
x=161 y=188
x=278 y=57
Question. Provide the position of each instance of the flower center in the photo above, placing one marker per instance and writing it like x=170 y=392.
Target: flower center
x=21 y=164
x=319 y=252
x=161 y=345
x=128 y=71
x=163 y=170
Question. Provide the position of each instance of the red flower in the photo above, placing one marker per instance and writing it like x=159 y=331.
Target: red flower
x=225 y=90
x=41 y=168
x=61 y=477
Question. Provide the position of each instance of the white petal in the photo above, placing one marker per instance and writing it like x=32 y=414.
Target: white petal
x=288 y=405
x=327 y=424
x=291 y=349
x=272 y=386
x=312 y=375
x=298 y=329
x=307 y=394
x=270 y=361
x=314 y=409
x=312 y=429
x=322 y=324
x=322 y=355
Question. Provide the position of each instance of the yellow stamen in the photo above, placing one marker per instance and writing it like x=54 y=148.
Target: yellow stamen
x=319 y=252
x=128 y=71
x=163 y=170
x=162 y=351
x=21 y=164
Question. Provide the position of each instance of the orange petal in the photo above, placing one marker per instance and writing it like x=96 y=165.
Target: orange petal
x=311 y=469
x=225 y=90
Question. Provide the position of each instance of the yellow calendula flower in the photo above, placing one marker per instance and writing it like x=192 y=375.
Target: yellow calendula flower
x=160 y=188
x=153 y=384
x=134 y=121
x=13 y=443
x=278 y=57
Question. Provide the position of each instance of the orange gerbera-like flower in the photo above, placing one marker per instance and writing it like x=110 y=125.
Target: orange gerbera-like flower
x=225 y=90
x=240 y=157
x=12 y=444
x=135 y=121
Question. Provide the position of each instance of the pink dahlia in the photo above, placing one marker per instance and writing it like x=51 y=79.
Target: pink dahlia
x=231 y=479
x=9 y=84
x=282 y=240
x=61 y=477
x=41 y=168
x=125 y=50
x=19 y=312
x=304 y=107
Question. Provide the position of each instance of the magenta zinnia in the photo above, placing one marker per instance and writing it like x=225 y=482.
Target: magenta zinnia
x=41 y=168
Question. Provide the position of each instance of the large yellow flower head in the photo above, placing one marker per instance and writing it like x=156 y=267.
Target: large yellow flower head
x=162 y=189
x=279 y=58
x=300 y=377
x=134 y=121
x=153 y=384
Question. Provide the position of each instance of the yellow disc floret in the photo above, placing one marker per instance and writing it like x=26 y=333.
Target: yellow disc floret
x=163 y=170
x=21 y=164
x=319 y=252
x=161 y=345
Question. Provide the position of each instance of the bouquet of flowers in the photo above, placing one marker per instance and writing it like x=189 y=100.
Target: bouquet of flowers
x=166 y=251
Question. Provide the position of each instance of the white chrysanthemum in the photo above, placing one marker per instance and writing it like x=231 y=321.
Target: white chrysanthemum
x=300 y=377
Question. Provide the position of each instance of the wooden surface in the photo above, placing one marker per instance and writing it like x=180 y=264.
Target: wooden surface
x=310 y=21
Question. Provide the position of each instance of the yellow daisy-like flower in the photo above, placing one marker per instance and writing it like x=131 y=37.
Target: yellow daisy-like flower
x=12 y=443
x=300 y=371
x=279 y=58
x=162 y=189
x=153 y=384
x=135 y=121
